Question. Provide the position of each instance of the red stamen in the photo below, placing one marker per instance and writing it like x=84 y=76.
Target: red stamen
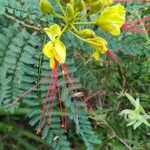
x=132 y=27
x=65 y=118
x=131 y=1
x=44 y=110
x=53 y=91
x=112 y=56
x=69 y=77
x=137 y=31
x=50 y=96
x=61 y=109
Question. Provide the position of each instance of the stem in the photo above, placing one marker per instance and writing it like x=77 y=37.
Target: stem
x=64 y=29
x=61 y=8
x=119 y=138
x=58 y=15
x=23 y=23
x=83 y=17
x=111 y=129
x=83 y=23
x=77 y=36
x=18 y=111
x=75 y=29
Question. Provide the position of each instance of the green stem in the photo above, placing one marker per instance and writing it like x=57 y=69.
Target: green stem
x=58 y=15
x=64 y=29
x=18 y=111
x=74 y=28
x=77 y=36
x=83 y=17
x=61 y=8
x=83 y=23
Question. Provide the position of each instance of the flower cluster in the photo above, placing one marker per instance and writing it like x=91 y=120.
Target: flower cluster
x=54 y=49
x=110 y=19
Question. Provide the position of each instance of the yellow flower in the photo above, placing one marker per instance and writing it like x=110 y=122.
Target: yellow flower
x=111 y=19
x=53 y=31
x=96 y=55
x=55 y=50
x=99 y=44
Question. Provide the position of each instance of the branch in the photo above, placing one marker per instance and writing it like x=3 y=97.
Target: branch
x=23 y=23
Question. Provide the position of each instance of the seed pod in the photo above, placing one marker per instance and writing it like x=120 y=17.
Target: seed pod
x=45 y=7
x=87 y=33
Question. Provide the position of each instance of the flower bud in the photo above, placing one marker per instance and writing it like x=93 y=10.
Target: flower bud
x=94 y=6
x=45 y=7
x=65 y=1
x=80 y=6
x=87 y=33
x=70 y=10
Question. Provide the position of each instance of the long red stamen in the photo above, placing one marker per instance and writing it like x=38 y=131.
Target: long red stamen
x=145 y=25
x=137 y=31
x=44 y=108
x=53 y=91
x=137 y=25
x=112 y=56
x=61 y=109
x=69 y=77
x=49 y=100
x=141 y=20
x=131 y=1
x=65 y=118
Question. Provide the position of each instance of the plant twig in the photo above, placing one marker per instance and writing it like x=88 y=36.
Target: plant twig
x=23 y=23
x=111 y=129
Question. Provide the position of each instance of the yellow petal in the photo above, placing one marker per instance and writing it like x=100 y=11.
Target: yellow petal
x=53 y=63
x=96 y=55
x=111 y=19
x=47 y=50
x=87 y=33
x=60 y=51
x=98 y=43
x=53 y=31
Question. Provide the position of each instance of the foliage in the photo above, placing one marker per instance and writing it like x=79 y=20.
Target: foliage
x=22 y=65
x=137 y=116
